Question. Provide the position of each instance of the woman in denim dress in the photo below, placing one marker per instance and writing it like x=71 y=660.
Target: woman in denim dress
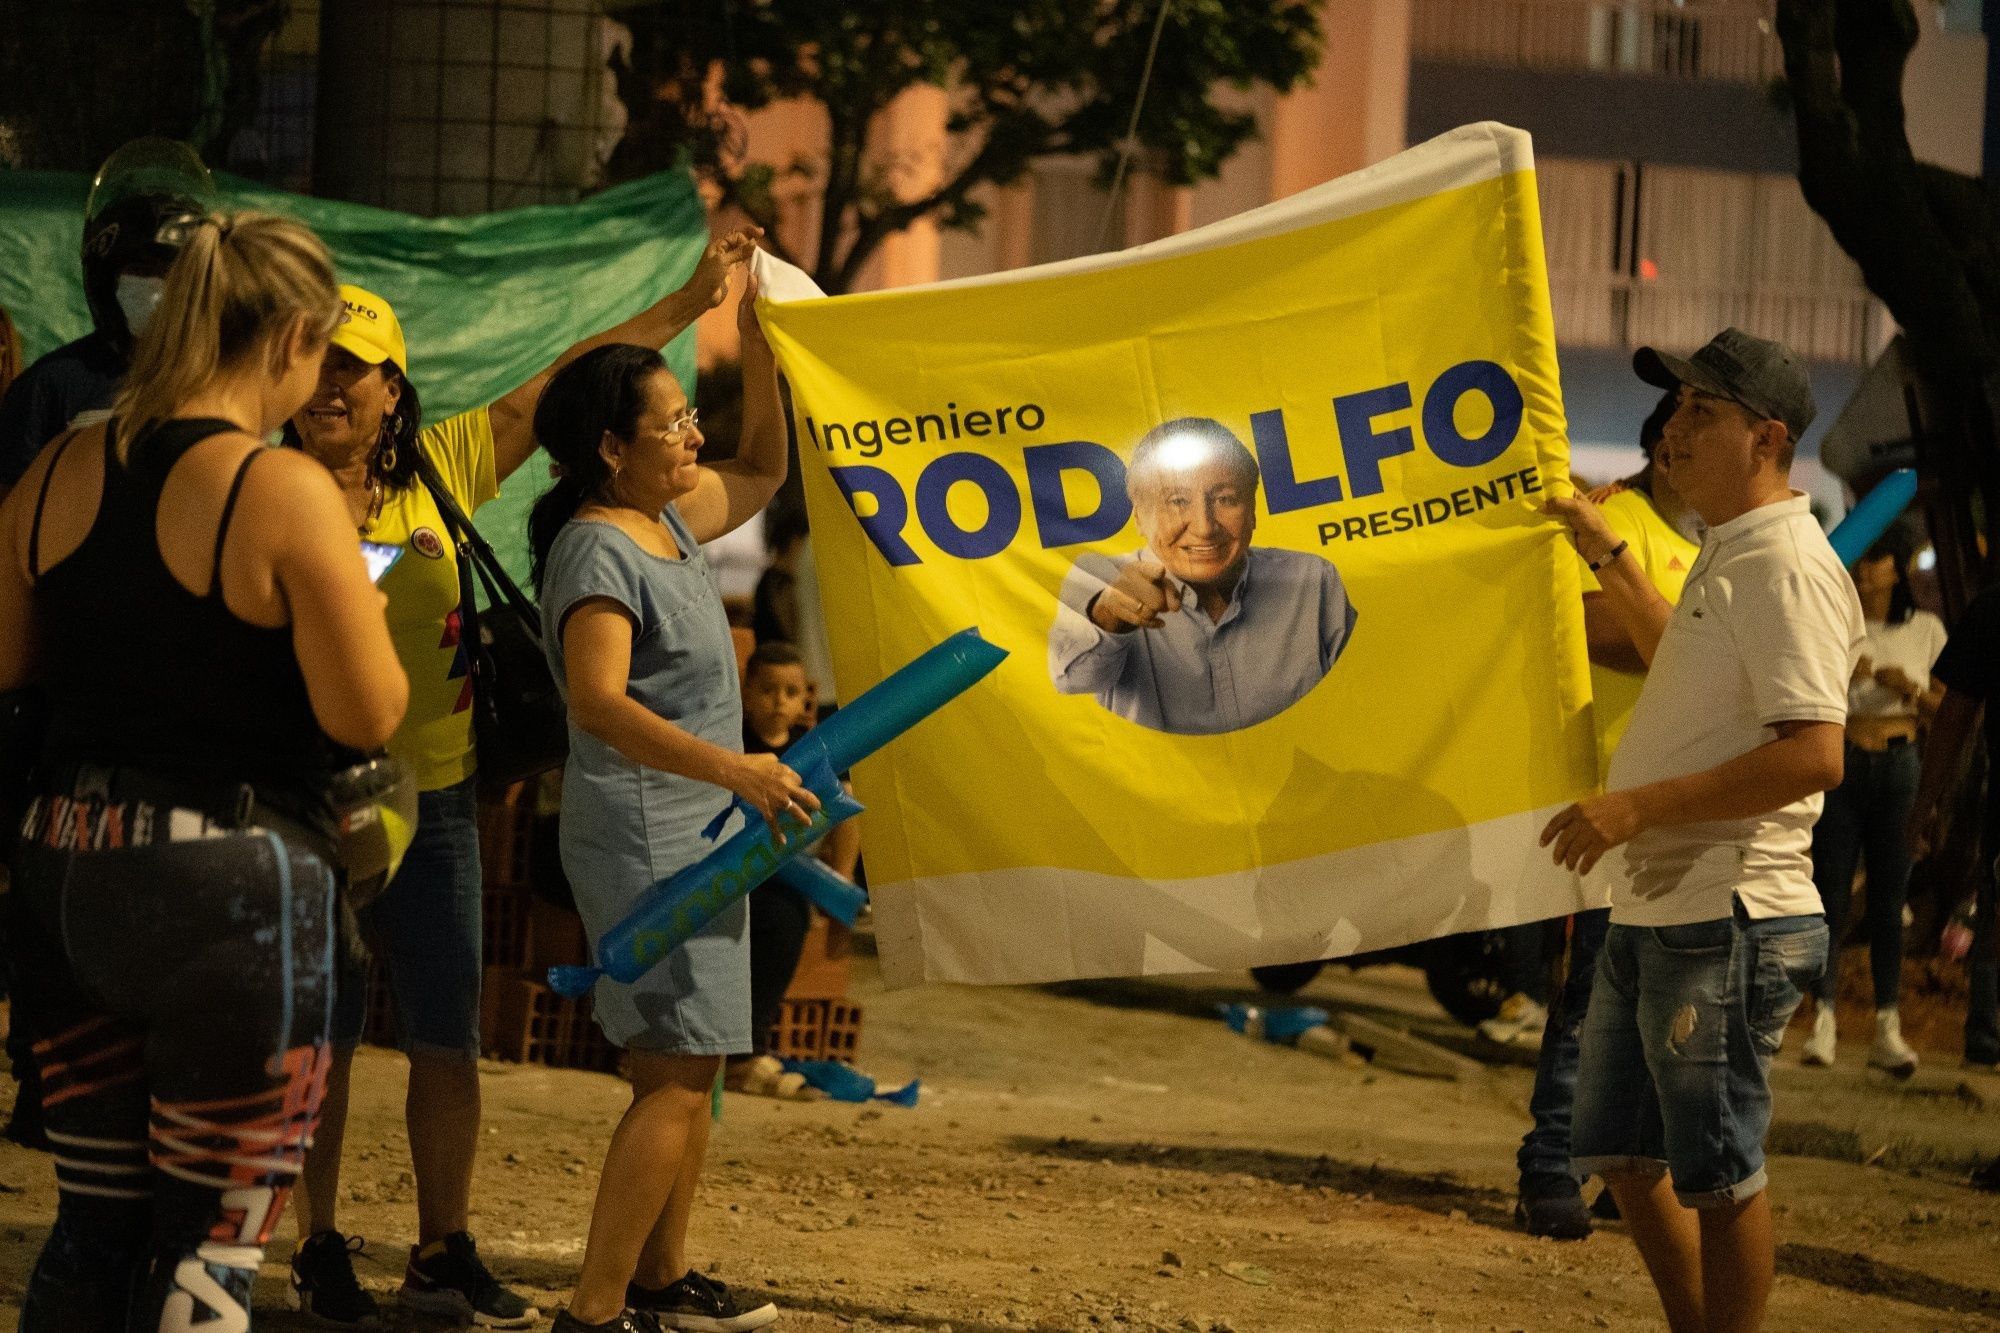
x=638 y=640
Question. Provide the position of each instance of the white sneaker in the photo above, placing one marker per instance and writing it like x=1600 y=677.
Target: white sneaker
x=1891 y=1054
x=1519 y=1023
x=1818 y=1052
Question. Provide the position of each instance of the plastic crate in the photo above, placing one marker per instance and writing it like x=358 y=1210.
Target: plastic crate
x=816 y=1030
x=842 y=1035
x=507 y=934
x=824 y=970
x=537 y=1026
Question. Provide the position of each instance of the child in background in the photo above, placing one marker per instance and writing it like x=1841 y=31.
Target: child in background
x=777 y=700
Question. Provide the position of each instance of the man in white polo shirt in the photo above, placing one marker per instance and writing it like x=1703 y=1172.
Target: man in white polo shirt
x=1716 y=929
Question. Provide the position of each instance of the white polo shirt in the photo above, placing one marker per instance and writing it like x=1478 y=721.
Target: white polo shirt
x=1768 y=630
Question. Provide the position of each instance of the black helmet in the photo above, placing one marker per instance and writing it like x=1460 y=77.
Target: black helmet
x=144 y=204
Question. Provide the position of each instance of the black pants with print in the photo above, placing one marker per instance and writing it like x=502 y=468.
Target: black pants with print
x=179 y=984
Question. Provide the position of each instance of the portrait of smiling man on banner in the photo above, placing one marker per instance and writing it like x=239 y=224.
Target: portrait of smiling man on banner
x=1199 y=632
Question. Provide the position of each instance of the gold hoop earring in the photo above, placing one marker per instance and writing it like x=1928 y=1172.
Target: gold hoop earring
x=385 y=453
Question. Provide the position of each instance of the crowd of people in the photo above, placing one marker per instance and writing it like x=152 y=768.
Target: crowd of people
x=220 y=691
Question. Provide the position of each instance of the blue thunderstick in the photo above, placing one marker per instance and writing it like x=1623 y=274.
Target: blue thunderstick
x=674 y=909
x=1871 y=517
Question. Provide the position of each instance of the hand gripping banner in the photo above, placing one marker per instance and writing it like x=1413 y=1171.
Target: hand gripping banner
x=1296 y=667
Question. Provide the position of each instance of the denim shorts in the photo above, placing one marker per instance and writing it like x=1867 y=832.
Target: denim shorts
x=424 y=931
x=1677 y=1048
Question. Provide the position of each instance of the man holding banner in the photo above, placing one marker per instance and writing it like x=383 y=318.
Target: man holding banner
x=1198 y=633
x=1716 y=928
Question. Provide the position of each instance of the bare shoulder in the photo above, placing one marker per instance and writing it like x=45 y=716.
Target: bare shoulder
x=29 y=488
x=18 y=508
x=289 y=496
x=292 y=474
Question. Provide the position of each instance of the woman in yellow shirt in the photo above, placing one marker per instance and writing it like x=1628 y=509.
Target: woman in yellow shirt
x=364 y=424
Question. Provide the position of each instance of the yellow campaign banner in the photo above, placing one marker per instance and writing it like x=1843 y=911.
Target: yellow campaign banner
x=1296 y=666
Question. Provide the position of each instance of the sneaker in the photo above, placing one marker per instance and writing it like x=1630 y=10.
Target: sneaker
x=1551 y=1205
x=447 y=1278
x=1891 y=1054
x=324 y=1286
x=630 y=1321
x=1818 y=1052
x=1519 y=1023
x=700 y=1303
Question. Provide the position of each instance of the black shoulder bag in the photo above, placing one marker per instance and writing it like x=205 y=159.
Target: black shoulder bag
x=519 y=725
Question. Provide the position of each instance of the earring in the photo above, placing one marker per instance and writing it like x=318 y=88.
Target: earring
x=385 y=453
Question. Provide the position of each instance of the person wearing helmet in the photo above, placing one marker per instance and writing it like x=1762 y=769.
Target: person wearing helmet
x=144 y=202
x=365 y=424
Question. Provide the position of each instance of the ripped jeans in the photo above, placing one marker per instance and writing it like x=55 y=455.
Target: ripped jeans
x=1677 y=1049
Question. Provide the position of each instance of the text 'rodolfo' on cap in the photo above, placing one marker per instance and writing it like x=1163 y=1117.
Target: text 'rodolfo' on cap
x=370 y=330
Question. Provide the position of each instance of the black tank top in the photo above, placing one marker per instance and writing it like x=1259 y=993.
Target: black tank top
x=141 y=672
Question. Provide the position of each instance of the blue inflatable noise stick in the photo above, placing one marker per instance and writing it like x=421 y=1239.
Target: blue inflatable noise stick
x=1869 y=519
x=674 y=910
x=902 y=699
x=810 y=878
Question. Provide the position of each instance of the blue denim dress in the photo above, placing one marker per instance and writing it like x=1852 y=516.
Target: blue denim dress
x=625 y=826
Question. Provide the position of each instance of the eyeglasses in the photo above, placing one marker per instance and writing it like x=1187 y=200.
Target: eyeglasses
x=679 y=428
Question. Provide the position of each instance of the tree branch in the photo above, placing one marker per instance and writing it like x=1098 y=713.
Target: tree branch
x=1844 y=60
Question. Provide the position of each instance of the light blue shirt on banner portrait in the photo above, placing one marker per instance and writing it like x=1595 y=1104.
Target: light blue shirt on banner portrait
x=1287 y=622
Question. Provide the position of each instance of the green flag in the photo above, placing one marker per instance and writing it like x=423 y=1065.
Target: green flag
x=486 y=301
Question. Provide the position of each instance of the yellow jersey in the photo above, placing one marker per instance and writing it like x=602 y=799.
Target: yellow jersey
x=1666 y=556
x=435 y=739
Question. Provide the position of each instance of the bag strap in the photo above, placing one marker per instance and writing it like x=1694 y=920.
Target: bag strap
x=473 y=548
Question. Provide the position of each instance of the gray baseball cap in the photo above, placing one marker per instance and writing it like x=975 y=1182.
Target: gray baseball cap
x=1766 y=377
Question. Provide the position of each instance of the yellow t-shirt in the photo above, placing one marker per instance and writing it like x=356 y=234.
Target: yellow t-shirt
x=435 y=739
x=1666 y=556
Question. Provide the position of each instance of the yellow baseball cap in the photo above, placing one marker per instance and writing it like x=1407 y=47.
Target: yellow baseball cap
x=370 y=329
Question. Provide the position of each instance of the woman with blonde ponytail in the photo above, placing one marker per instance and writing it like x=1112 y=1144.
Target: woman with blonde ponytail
x=196 y=610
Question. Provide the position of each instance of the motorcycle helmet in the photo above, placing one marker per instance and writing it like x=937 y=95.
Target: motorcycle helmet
x=144 y=204
x=374 y=807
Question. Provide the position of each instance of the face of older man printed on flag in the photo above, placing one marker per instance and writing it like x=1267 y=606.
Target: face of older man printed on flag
x=1296 y=664
x=1198 y=631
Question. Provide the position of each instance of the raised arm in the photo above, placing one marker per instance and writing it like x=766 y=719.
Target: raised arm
x=1628 y=593
x=513 y=413
x=1609 y=641
x=728 y=494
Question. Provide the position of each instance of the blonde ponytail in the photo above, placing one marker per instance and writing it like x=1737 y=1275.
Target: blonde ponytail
x=240 y=280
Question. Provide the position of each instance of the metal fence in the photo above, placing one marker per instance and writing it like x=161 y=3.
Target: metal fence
x=1726 y=40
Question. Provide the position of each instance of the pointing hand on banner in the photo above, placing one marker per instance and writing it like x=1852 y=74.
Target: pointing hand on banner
x=1136 y=600
x=1590 y=828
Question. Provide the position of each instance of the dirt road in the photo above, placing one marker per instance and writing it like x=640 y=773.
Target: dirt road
x=1109 y=1156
